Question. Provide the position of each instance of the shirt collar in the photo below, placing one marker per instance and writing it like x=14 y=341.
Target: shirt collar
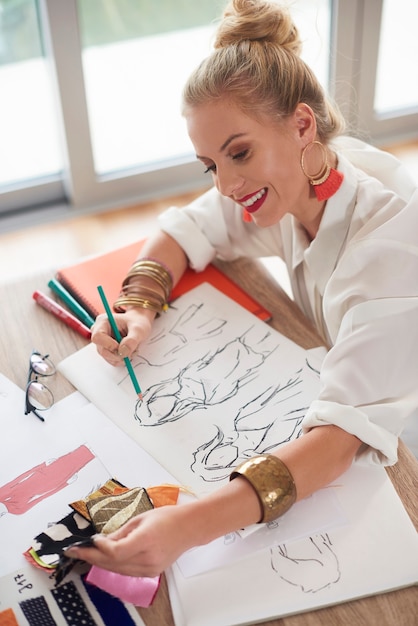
x=321 y=255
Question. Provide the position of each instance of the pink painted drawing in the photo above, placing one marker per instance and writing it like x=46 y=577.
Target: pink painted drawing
x=25 y=491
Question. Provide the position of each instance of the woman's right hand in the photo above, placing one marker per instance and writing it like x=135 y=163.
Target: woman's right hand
x=134 y=326
x=136 y=323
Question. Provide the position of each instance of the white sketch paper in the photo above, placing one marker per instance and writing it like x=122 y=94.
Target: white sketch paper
x=377 y=551
x=218 y=387
x=320 y=513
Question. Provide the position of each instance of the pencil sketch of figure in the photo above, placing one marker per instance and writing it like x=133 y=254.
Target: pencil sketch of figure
x=194 y=324
x=254 y=431
x=45 y=479
x=217 y=377
x=310 y=564
x=213 y=378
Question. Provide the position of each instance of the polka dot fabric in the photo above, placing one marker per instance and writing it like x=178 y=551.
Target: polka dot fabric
x=37 y=612
x=72 y=605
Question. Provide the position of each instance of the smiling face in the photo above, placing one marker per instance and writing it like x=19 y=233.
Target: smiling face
x=256 y=162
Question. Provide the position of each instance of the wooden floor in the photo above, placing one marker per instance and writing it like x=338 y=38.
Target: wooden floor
x=61 y=243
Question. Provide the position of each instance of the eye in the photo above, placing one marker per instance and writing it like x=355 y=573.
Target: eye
x=210 y=168
x=240 y=156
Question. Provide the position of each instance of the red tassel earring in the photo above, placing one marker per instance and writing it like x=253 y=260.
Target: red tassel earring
x=325 y=182
x=246 y=217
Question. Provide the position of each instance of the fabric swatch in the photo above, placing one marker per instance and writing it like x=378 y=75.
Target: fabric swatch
x=72 y=605
x=48 y=547
x=32 y=557
x=36 y=611
x=163 y=494
x=111 y=487
x=112 y=611
x=50 y=544
x=8 y=618
x=132 y=589
x=108 y=513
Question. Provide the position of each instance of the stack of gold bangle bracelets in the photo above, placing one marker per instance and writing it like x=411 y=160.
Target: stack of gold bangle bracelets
x=134 y=293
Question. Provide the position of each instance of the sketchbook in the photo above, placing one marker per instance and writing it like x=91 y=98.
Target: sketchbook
x=219 y=386
x=375 y=552
x=109 y=270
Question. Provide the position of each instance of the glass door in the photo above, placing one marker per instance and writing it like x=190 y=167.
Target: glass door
x=90 y=90
x=30 y=151
x=136 y=56
x=374 y=70
x=396 y=93
x=115 y=71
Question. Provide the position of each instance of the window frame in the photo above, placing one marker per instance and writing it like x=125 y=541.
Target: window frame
x=83 y=186
x=353 y=73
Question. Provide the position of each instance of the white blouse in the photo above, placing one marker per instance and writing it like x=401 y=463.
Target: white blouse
x=357 y=280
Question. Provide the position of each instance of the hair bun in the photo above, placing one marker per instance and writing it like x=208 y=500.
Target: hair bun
x=257 y=20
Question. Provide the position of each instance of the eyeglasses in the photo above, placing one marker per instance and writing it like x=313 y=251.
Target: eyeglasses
x=38 y=396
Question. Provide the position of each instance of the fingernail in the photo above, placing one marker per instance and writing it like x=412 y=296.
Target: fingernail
x=123 y=352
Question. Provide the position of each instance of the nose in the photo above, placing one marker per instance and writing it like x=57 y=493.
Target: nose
x=228 y=182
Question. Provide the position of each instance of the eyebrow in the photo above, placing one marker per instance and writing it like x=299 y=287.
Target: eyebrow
x=226 y=143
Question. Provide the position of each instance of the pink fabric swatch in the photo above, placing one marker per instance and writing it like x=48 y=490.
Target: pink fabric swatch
x=137 y=591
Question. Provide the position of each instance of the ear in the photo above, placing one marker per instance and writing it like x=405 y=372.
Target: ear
x=305 y=123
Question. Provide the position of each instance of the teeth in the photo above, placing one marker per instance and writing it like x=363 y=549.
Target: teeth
x=254 y=198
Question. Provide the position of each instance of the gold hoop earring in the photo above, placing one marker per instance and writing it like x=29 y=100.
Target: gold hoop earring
x=327 y=180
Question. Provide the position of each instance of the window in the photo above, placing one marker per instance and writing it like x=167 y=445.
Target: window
x=91 y=113
x=396 y=88
x=374 y=76
x=136 y=56
x=29 y=148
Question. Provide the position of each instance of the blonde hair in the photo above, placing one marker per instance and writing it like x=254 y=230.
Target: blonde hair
x=256 y=64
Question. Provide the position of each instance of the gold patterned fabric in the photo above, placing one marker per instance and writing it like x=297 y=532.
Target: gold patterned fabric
x=108 y=513
x=111 y=487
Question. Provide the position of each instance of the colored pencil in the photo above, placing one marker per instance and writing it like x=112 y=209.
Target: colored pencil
x=71 y=302
x=53 y=307
x=118 y=338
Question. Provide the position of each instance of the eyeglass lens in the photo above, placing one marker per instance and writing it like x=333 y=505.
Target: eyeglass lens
x=41 y=365
x=38 y=396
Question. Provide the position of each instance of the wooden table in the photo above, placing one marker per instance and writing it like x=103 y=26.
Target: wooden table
x=25 y=326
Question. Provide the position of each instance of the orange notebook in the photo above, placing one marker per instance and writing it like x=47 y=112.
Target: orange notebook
x=109 y=270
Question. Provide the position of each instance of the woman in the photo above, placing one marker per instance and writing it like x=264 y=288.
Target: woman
x=283 y=185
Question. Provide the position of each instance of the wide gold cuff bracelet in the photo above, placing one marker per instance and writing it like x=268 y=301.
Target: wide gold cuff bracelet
x=272 y=482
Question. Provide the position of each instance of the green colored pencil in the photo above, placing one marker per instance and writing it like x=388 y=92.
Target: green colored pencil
x=118 y=338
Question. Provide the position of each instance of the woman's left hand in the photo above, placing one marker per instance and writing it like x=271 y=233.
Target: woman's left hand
x=144 y=546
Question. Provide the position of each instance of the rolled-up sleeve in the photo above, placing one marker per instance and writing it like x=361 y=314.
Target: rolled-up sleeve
x=369 y=378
